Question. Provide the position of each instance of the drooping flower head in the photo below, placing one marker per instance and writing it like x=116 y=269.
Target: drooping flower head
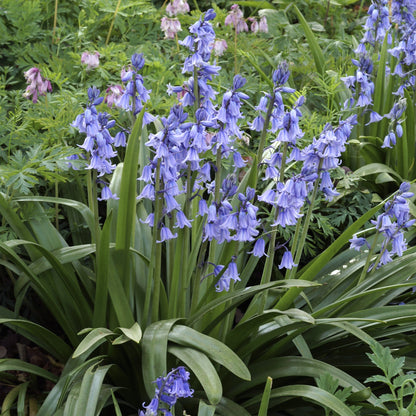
x=135 y=94
x=235 y=17
x=176 y=7
x=170 y=27
x=99 y=143
x=168 y=390
x=37 y=84
x=92 y=60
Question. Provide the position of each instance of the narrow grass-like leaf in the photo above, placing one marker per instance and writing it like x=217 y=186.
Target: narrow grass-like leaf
x=203 y=369
x=214 y=349
x=318 y=56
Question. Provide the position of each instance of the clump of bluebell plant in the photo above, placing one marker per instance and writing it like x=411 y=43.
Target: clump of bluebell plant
x=396 y=22
x=391 y=225
x=37 y=84
x=168 y=390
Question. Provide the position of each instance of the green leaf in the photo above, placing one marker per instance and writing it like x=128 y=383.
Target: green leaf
x=315 y=394
x=203 y=369
x=239 y=296
x=264 y=404
x=127 y=204
x=154 y=352
x=87 y=398
x=214 y=349
x=227 y=407
x=205 y=409
x=134 y=333
x=95 y=338
x=318 y=56
x=101 y=281
x=12 y=364
x=44 y=338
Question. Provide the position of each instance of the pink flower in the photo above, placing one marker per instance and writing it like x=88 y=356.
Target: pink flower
x=170 y=27
x=236 y=18
x=92 y=60
x=220 y=45
x=113 y=93
x=263 y=25
x=254 y=27
x=37 y=84
x=176 y=7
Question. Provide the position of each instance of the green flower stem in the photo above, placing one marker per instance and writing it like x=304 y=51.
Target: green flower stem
x=295 y=242
x=112 y=22
x=197 y=279
x=57 y=206
x=153 y=278
x=268 y=267
x=55 y=18
x=264 y=131
x=369 y=257
x=92 y=200
x=185 y=278
x=300 y=244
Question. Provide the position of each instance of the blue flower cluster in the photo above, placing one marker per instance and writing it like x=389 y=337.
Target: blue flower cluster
x=99 y=142
x=135 y=93
x=391 y=224
x=361 y=83
x=168 y=390
x=376 y=26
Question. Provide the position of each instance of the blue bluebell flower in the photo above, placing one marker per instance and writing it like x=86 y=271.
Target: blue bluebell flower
x=230 y=274
x=287 y=261
x=98 y=142
x=168 y=390
x=391 y=224
x=259 y=248
x=135 y=93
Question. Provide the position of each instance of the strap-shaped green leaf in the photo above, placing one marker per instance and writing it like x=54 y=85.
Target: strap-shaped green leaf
x=214 y=349
x=127 y=204
x=101 y=280
x=89 y=392
x=41 y=336
x=203 y=369
x=12 y=364
x=93 y=340
x=315 y=394
x=264 y=404
x=154 y=352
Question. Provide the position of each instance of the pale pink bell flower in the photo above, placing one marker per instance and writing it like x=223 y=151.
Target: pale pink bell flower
x=37 y=84
x=170 y=26
x=92 y=60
